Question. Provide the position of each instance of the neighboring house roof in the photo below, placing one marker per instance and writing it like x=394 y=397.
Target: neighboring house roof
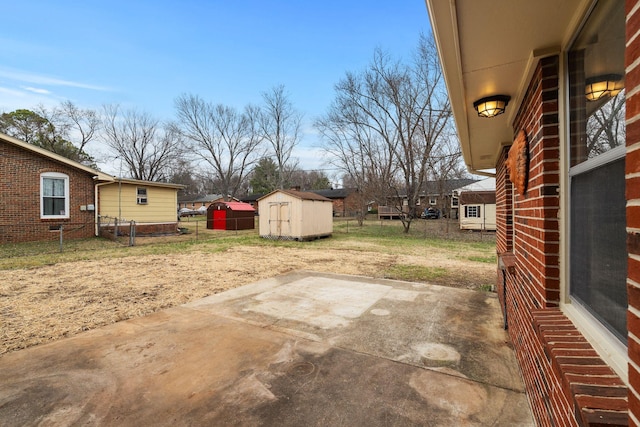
x=488 y=184
x=100 y=176
x=148 y=183
x=207 y=198
x=252 y=197
x=446 y=186
x=338 y=193
x=477 y=197
x=303 y=195
x=238 y=206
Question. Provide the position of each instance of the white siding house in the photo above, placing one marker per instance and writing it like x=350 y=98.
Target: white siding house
x=477 y=203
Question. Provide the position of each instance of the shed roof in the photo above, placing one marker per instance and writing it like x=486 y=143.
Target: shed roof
x=477 y=197
x=237 y=206
x=303 y=195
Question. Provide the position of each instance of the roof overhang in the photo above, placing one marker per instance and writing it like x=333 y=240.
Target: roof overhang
x=492 y=47
x=97 y=175
x=130 y=181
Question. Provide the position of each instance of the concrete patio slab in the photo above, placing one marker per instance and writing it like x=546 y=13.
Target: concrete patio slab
x=300 y=349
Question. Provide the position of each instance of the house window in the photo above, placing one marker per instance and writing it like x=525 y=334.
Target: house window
x=54 y=195
x=142 y=196
x=472 y=211
x=597 y=241
x=454 y=201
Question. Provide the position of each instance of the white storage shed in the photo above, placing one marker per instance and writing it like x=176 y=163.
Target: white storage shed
x=477 y=203
x=295 y=215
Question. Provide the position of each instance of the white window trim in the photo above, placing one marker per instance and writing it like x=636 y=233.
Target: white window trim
x=54 y=175
x=139 y=199
x=609 y=348
x=478 y=210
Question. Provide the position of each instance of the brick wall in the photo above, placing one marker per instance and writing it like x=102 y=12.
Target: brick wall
x=20 y=201
x=632 y=83
x=567 y=383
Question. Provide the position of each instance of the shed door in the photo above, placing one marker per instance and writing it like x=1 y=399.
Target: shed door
x=279 y=224
x=220 y=219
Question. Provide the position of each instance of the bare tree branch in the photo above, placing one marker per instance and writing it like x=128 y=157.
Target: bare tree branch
x=227 y=141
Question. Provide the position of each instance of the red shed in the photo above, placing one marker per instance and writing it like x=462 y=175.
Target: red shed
x=230 y=216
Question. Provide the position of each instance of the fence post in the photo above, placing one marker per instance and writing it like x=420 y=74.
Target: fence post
x=132 y=233
x=115 y=228
x=61 y=234
x=197 y=222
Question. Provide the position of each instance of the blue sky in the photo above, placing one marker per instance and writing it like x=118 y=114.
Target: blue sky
x=143 y=54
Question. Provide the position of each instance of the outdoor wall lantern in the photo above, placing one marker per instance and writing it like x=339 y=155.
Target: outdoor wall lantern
x=491 y=106
x=602 y=86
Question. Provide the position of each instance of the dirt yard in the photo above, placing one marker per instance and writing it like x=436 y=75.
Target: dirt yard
x=39 y=305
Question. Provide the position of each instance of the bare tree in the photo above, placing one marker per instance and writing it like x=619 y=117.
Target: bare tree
x=605 y=127
x=280 y=124
x=359 y=153
x=82 y=125
x=227 y=141
x=147 y=149
x=74 y=124
x=405 y=110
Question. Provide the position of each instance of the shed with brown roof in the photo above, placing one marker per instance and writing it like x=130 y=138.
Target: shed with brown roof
x=295 y=215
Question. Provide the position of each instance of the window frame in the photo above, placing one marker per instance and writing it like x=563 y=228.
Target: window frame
x=606 y=344
x=477 y=209
x=56 y=176
x=142 y=200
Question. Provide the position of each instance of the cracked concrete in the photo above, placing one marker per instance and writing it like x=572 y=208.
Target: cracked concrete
x=300 y=349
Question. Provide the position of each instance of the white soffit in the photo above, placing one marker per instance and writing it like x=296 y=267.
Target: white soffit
x=489 y=47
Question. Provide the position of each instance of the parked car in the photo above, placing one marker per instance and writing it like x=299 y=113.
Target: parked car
x=430 y=213
x=187 y=212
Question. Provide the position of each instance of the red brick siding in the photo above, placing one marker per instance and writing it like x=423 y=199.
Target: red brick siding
x=535 y=282
x=504 y=212
x=567 y=383
x=632 y=82
x=20 y=201
x=536 y=228
x=141 y=229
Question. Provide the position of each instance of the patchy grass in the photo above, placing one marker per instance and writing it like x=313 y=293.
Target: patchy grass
x=47 y=294
x=487 y=259
x=416 y=273
x=384 y=237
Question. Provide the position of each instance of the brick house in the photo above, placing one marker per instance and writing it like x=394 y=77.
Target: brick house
x=345 y=200
x=41 y=191
x=566 y=155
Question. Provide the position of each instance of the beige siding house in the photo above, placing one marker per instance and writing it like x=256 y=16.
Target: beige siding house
x=152 y=205
x=295 y=215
